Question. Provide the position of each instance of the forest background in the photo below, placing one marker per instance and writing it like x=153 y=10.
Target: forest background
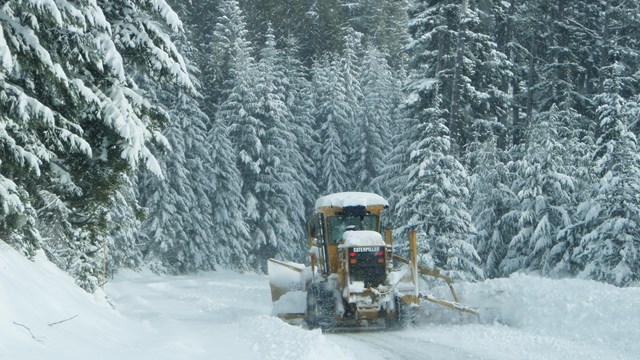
x=193 y=135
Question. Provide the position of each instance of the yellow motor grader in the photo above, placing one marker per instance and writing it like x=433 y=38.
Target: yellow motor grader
x=354 y=280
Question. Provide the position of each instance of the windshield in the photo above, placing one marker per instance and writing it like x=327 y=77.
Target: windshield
x=338 y=224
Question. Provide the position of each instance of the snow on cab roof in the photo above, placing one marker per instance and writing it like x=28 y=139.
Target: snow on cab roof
x=362 y=238
x=351 y=199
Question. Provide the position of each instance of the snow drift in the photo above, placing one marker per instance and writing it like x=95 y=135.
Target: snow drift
x=582 y=310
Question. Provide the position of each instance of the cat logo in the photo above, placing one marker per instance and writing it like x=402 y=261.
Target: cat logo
x=366 y=249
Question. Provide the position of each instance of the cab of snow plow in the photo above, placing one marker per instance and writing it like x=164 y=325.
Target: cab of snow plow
x=341 y=214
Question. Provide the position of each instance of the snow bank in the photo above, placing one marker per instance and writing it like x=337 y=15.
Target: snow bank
x=34 y=296
x=351 y=199
x=587 y=312
x=221 y=315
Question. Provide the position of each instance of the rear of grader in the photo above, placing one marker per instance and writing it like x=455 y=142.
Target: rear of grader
x=354 y=280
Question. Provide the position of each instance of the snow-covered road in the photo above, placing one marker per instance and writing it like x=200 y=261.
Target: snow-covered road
x=225 y=315
x=232 y=311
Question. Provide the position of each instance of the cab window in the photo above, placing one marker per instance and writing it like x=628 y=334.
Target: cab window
x=338 y=224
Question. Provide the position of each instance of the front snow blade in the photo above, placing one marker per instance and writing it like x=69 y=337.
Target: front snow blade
x=287 y=281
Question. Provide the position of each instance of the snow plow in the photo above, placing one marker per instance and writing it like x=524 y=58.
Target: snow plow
x=354 y=280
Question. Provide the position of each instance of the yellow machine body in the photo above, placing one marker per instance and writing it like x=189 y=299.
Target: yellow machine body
x=353 y=279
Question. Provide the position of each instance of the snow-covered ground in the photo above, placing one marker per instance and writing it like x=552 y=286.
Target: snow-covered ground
x=225 y=315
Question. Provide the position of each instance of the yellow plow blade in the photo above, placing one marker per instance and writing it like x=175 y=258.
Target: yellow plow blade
x=287 y=281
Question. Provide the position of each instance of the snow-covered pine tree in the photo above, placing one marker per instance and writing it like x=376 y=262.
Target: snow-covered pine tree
x=331 y=117
x=349 y=65
x=610 y=251
x=224 y=189
x=544 y=187
x=434 y=199
x=491 y=199
x=258 y=117
x=454 y=71
x=183 y=200
x=213 y=221
x=237 y=112
x=281 y=186
x=139 y=56
x=39 y=102
x=299 y=99
x=372 y=127
x=601 y=39
x=391 y=179
x=179 y=227
x=200 y=18
x=576 y=135
x=435 y=195
x=229 y=40
x=81 y=118
x=140 y=49
x=17 y=216
x=451 y=47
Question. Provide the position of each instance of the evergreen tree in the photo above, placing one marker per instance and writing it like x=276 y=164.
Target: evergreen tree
x=451 y=51
x=576 y=135
x=331 y=118
x=544 y=188
x=224 y=189
x=77 y=119
x=383 y=25
x=491 y=200
x=179 y=225
x=610 y=251
x=299 y=99
x=391 y=179
x=37 y=127
x=434 y=200
x=229 y=43
x=349 y=70
x=258 y=116
x=373 y=125
x=282 y=183
x=201 y=18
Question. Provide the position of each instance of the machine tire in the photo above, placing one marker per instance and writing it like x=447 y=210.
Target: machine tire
x=321 y=306
x=313 y=307
x=406 y=315
x=327 y=306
